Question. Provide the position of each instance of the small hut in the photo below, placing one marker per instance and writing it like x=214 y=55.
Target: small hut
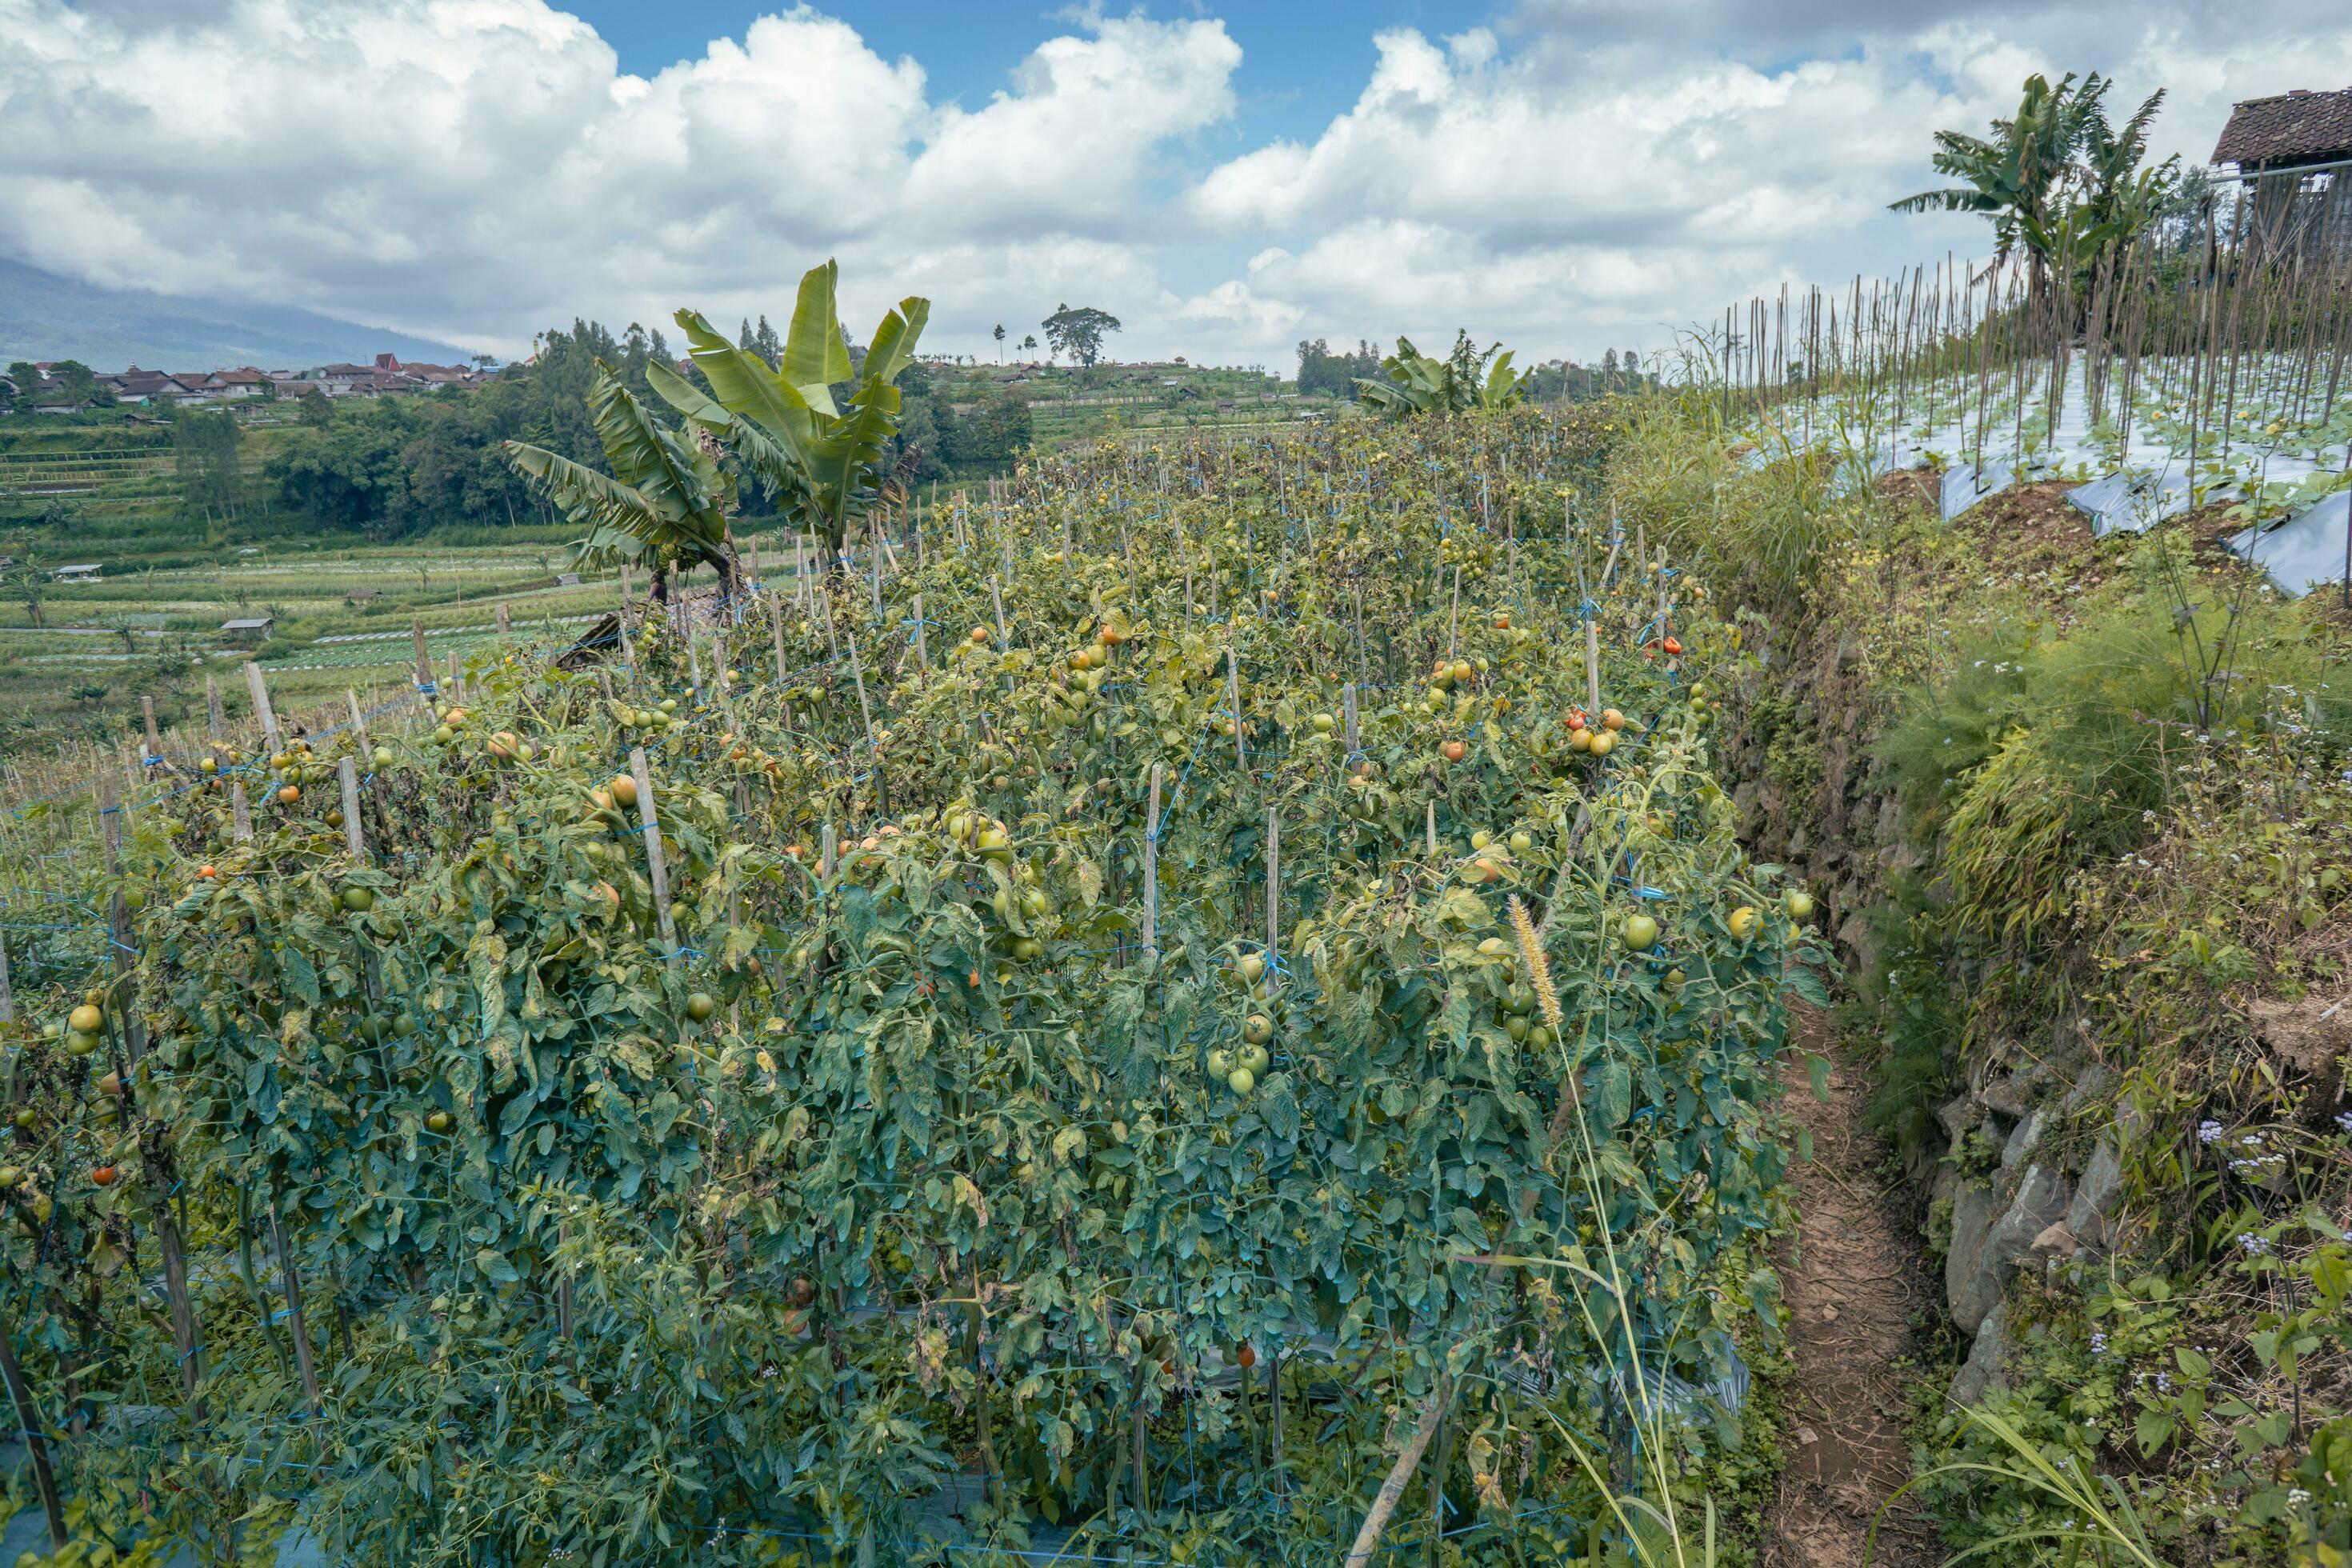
x=2293 y=154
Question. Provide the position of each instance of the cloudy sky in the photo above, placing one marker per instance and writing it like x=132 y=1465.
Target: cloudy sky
x=1226 y=178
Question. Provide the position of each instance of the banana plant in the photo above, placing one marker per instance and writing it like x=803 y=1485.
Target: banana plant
x=824 y=460
x=1463 y=380
x=664 y=503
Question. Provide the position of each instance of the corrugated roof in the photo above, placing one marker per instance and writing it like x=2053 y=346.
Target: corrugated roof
x=2295 y=127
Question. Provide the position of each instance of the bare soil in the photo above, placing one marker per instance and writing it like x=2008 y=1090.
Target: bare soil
x=1854 y=1282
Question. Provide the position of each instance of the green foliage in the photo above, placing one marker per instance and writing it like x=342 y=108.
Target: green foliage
x=1078 y=334
x=1766 y=533
x=823 y=464
x=949 y=1173
x=2056 y=178
x=1466 y=380
x=665 y=504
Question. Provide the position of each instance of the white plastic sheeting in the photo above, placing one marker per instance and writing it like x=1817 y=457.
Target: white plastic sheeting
x=2132 y=501
x=2018 y=439
x=2304 y=551
x=1965 y=486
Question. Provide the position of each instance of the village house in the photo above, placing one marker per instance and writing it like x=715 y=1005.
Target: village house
x=388 y=377
x=2293 y=154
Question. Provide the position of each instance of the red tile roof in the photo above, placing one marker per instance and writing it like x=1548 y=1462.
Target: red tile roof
x=2293 y=128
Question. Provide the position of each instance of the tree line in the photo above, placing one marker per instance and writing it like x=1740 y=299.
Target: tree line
x=393 y=468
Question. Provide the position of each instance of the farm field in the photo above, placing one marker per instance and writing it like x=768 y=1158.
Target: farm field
x=707 y=947
x=1055 y=1080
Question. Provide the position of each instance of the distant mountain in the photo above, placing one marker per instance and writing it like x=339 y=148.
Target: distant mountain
x=44 y=316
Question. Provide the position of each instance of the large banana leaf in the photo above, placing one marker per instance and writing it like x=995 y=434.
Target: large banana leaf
x=769 y=458
x=620 y=520
x=663 y=501
x=815 y=355
x=776 y=419
x=679 y=482
x=744 y=385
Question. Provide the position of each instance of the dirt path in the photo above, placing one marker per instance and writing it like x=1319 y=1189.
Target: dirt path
x=1852 y=1282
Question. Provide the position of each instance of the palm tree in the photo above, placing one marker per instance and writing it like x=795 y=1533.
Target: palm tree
x=999 y=335
x=825 y=462
x=663 y=506
x=2055 y=178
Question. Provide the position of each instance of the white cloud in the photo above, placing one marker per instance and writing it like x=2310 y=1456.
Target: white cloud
x=1619 y=171
x=1573 y=175
x=478 y=168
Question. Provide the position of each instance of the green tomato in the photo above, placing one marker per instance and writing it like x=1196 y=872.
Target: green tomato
x=1640 y=933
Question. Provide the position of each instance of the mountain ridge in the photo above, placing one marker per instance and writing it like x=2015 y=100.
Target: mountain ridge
x=47 y=316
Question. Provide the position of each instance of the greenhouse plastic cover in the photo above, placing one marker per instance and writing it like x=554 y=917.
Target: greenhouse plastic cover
x=2304 y=551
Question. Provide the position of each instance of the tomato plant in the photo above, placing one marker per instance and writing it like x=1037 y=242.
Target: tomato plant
x=1086 y=1053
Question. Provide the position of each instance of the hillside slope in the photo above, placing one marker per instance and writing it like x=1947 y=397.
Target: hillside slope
x=45 y=316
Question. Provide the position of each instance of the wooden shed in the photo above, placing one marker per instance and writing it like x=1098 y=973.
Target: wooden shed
x=246 y=631
x=2293 y=154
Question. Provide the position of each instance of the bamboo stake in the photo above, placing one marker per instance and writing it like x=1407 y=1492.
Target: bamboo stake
x=1272 y=896
x=656 y=867
x=268 y=715
x=354 y=838
x=359 y=725
x=1233 y=697
x=1433 y=1412
x=424 y=663
x=29 y=1423
x=240 y=812
x=1150 y=872
x=154 y=752
x=1593 y=665
x=296 y=1322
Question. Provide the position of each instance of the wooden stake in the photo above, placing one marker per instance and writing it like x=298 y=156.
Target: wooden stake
x=1433 y=829
x=354 y=838
x=1354 y=731
x=1592 y=667
x=1433 y=1412
x=261 y=708
x=1273 y=895
x=423 y=662
x=240 y=814
x=922 y=644
x=292 y=1278
x=656 y=867
x=1233 y=697
x=154 y=737
x=359 y=725
x=37 y=1447
x=1151 y=871
x=506 y=625
x=776 y=623
x=865 y=709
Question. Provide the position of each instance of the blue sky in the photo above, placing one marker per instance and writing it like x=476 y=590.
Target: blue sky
x=1300 y=62
x=1565 y=176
